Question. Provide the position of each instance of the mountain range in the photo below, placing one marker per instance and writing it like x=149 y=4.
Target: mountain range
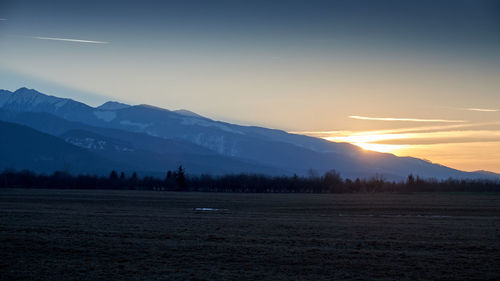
x=46 y=133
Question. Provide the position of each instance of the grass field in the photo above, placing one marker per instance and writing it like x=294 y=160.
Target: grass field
x=139 y=235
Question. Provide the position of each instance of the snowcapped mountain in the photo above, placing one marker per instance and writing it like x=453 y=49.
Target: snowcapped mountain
x=200 y=141
x=28 y=100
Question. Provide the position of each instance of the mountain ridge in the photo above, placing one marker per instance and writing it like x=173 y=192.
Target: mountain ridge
x=275 y=149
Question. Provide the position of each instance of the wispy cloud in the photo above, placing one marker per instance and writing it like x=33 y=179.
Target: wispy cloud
x=405 y=119
x=449 y=144
x=69 y=40
x=397 y=141
x=482 y=109
x=2 y=19
x=436 y=128
x=439 y=137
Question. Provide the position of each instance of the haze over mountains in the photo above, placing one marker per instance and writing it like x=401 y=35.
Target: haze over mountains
x=54 y=133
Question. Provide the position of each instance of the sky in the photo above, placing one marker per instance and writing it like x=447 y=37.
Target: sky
x=413 y=78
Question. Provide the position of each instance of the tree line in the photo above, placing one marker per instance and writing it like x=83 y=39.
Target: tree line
x=177 y=180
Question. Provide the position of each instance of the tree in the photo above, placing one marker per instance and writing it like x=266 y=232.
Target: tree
x=113 y=179
x=332 y=181
x=312 y=173
x=113 y=175
x=411 y=179
x=180 y=178
x=170 y=180
x=132 y=181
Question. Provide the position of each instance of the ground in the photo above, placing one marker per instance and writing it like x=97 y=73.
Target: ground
x=141 y=235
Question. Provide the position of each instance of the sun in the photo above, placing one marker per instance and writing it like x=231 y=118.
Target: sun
x=369 y=141
x=385 y=148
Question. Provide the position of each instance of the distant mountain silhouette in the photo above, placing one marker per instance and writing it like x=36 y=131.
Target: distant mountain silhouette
x=159 y=139
x=25 y=148
x=134 y=151
x=112 y=105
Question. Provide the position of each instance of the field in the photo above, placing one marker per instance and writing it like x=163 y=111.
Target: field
x=140 y=235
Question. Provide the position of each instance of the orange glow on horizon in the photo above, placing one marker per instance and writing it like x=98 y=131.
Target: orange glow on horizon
x=465 y=149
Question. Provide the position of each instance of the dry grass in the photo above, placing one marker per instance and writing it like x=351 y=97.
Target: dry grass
x=134 y=235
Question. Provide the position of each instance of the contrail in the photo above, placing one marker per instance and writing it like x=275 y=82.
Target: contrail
x=69 y=40
x=405 y=119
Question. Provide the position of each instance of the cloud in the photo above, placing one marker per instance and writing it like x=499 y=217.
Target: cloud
x=439 y=137
x=448 y=134
x=70 y=40
x=482 y=109
x=405 y=119
x=2 y=19
x=428 y=129
x=450 y=144
x=420 y=129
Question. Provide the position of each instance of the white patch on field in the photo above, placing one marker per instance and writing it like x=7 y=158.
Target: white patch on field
x=141 y=126
x=105 y=115
x=209 y=210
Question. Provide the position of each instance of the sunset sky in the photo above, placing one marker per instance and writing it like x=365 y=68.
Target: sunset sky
x=414 y=78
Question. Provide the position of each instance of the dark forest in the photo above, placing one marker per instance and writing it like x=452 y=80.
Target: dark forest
x=178 y=180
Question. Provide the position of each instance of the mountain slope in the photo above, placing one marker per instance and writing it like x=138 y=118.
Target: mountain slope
x=26 y=148
x=277 y=151
x=140 y=152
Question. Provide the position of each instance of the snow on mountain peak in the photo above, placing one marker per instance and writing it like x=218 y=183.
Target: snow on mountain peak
x=24 y=99
x=31 y=97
